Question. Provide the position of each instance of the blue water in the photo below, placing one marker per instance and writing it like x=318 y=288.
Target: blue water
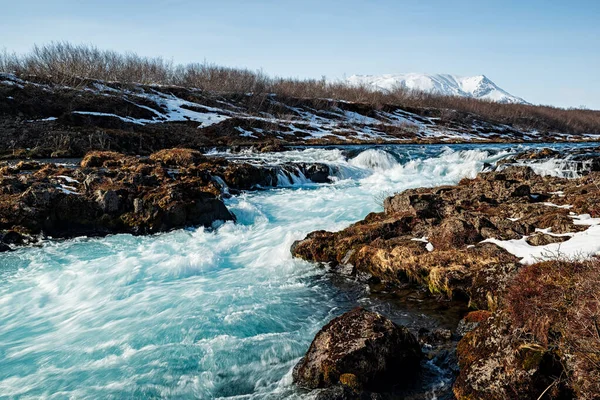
x=222 y=313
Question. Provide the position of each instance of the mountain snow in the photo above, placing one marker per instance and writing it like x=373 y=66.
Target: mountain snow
x=478 y=87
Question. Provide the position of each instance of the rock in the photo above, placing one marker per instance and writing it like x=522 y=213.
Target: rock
x=497 y=362
x=521 y=191
x=4 y=247
x=423 y=205
x=12 y=237
x=40 y=195
x=118 y=194
x=61 y=154
x=454 y=233
x=378 y=353
x=537 y=155
x=439 y=335
x=27 y=166
x=317 y=246
x=108 y=201
x=542 y=239
x=272 y=147
x=432 y=237
x=246 y=176
x=343 y=392
x=318 y=173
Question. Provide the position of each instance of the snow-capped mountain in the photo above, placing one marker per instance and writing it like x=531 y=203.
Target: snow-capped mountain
x=479 y=87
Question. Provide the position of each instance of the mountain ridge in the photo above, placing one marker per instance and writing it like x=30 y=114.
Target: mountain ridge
x=477 y=86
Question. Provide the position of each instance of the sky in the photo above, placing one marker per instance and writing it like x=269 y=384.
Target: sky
x=547 y=52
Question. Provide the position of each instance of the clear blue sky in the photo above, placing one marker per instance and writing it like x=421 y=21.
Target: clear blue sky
x=545 y=51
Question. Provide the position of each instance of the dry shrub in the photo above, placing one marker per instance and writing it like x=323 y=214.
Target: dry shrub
x=178 y=157
x=559 y=303
x=99 y=158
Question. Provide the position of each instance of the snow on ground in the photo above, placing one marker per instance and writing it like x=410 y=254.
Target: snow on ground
x=425 y=239
x=43 y=119
x=67 y=178
x=581 y=245
x=101 y=114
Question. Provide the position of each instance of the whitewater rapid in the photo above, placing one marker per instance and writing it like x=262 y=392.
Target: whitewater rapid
x=223 y=313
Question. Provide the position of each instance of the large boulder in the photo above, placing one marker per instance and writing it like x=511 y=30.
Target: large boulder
x=361 y=347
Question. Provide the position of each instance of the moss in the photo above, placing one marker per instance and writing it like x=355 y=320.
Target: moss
x=351 y=381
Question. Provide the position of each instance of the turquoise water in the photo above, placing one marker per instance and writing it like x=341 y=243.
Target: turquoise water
x=223 y=313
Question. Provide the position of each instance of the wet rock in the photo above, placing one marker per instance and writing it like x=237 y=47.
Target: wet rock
x=246 y=176
x=12 y=237
x=317 y=246
x=439 y=335
x=364 y=344
x=537 y=155
x=4 y=248
x=318 y=173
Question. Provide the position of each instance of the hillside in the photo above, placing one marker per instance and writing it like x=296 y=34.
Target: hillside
x=65 y=100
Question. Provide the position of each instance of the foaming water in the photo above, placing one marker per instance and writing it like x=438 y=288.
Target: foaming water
x=197 y=313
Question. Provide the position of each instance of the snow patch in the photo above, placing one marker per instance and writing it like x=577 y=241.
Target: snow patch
x=581 y=245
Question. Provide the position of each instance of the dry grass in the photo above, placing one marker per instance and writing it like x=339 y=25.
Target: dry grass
x=178 y=157
x=558 y=302
x=67 y=64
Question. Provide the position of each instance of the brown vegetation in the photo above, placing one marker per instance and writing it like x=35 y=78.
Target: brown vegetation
x=67 y=64
x=558 y=303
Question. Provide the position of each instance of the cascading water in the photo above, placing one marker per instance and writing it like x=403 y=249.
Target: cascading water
x=205 y=314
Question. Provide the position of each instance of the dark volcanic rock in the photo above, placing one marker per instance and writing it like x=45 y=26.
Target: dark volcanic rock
x=361 y=349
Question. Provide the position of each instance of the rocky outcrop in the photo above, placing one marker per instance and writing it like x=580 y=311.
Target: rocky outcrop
x=435 y=236
x=110 y=192
x=360 y=350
